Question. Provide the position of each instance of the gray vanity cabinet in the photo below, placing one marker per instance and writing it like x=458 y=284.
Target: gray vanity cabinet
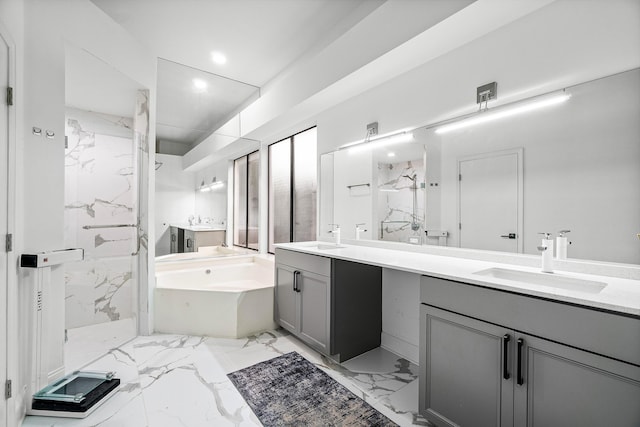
x=302 y=297
x=332 y=305
x=302 y=301
x=492 y=358
x=564 y=386
x=463 y=359
x=187 y=240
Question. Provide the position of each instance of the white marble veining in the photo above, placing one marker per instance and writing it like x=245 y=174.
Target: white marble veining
x=89 y=343
x=100 y=189
x=176 y=380
x=620 y=295
x=399 y=218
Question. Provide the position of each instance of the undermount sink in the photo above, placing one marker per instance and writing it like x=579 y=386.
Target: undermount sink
x=544 y=279
x=202 y=228
x=325 y=246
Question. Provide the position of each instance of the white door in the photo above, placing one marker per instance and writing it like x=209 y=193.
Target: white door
x=490 y=201
x=4 y=207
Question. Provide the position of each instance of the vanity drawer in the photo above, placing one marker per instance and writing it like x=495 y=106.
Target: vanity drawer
x=602 y=332
x=313 y=263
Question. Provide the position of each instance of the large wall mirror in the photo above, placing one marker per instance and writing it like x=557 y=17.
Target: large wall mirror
x=495 y=186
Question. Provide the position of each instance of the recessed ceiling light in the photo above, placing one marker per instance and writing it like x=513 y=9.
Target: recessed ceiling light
x=199 y=84
x=218 y=58
x=391 y=154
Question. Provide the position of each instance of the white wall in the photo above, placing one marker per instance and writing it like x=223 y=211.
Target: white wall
x=175 y=198
x=580 y=159
x=530 y=56
x=401 y=313
x=551 y=48
x=353 y=194
x=212 y=205
x=40 y=29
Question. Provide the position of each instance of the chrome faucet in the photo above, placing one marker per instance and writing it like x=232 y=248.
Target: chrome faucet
x=335 y=230
x=546 y=248
x=360 y=228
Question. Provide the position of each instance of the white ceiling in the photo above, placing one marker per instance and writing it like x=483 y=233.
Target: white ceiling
x=260 y=39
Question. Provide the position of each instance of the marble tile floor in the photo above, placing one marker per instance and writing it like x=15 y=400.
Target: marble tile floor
x=88 y=343
x=174 y=380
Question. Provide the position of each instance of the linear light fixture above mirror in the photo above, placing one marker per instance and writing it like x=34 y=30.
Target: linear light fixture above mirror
x=210 y=187
x=508 y=110
x=369 y=143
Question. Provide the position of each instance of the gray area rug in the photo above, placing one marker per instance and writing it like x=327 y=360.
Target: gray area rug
x=290 y=391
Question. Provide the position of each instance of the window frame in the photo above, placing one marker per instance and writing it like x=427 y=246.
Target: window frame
x=291 y=186
x=246 y=201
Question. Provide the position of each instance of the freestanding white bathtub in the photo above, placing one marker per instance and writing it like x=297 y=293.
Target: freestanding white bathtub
x=219 y=297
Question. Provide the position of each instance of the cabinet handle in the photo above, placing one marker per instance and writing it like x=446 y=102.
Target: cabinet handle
x=505 y=356
x=520 y=380
x=295 y=281
x=189 y=243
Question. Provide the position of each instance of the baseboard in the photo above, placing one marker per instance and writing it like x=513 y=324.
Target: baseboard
x=400 y=347
x=55 y=374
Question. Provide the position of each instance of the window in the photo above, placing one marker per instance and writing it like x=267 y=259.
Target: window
x=293 y=166
x=246 y=200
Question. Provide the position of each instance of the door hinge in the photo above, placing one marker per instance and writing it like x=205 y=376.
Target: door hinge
x=9 y=95
x=9 y=243
x=459 y=177
x=7 y=389
x=459 y=226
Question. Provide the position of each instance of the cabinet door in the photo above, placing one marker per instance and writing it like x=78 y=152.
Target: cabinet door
x=173 y=232
x=286 y=299
x=466 y=370
x=314 y=292
x=564 y=386
x=189 y=241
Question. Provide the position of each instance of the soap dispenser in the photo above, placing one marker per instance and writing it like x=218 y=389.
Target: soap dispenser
x=546 y=247
x=561 y=244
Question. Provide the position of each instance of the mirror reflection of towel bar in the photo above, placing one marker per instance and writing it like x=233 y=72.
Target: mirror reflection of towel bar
x=358 y=185
x=89 y=227
x=382 y=223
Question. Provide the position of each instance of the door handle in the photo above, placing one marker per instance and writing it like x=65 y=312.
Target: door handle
x=519 y=379
x=505 y=356
x=509 y=236
x=295 y=281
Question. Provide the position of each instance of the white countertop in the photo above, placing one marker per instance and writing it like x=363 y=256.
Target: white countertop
x=620 y=295
x=200 y=227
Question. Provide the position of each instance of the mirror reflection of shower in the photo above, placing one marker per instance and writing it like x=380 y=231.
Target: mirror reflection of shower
x=401 y=200
x=415 y=225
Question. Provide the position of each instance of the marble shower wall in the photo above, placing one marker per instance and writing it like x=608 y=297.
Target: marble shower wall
x=396 y=200
x=142 y=161
x=101 y=182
